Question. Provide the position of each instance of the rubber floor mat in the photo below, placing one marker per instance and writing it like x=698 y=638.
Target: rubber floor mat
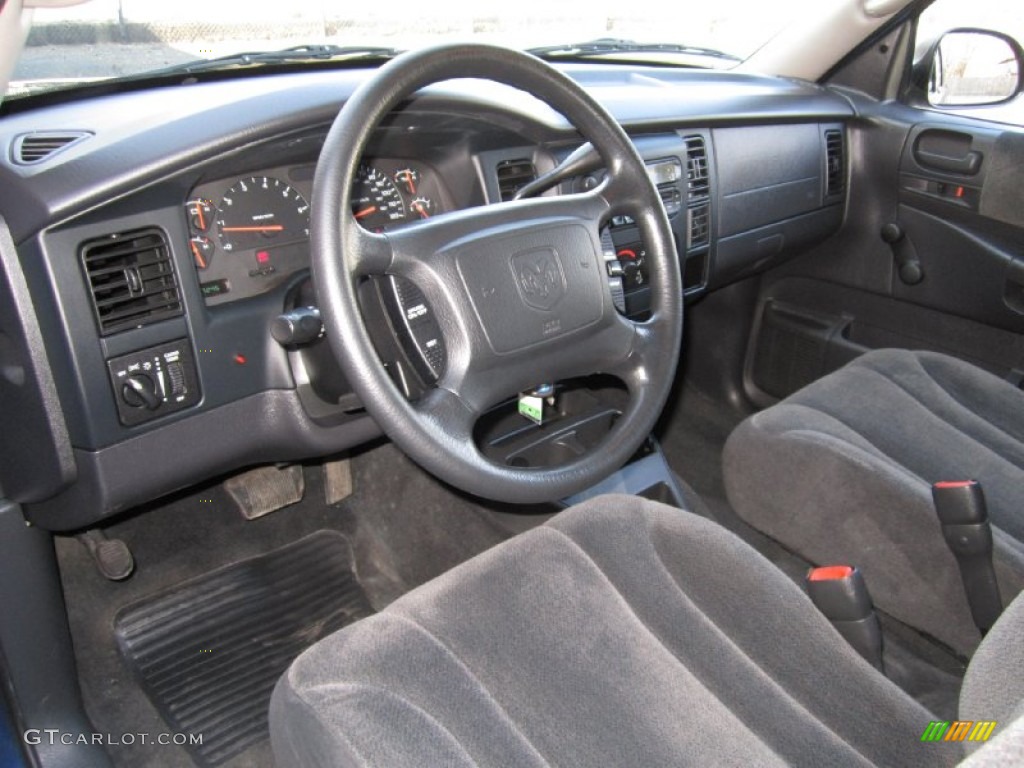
x=208 y=652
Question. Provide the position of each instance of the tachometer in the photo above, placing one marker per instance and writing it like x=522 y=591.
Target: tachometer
x=261 y=211
x=376 y=201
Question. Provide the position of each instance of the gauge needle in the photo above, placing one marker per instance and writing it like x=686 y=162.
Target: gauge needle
x=365 y=212
x=200 y=261
x=199 y=215
x=421 y=211
x=266 y=228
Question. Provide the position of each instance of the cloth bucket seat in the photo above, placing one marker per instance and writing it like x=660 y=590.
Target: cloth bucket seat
x=621 y=633
x=841 y=471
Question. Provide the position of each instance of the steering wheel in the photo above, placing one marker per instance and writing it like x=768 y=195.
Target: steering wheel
x=519 y=289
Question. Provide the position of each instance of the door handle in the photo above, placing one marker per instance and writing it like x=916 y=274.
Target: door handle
x=968 y=165
x=1013 y=289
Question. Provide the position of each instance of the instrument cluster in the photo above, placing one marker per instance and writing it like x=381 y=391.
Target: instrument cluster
x=247 y=234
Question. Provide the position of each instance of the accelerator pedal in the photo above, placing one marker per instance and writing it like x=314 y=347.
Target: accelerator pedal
x=337 y=480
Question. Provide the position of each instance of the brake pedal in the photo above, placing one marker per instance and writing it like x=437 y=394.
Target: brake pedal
x=337 y=480
x=263 y=490
x=112 y=557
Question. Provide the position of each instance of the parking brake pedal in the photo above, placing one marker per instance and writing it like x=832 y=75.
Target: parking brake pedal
x=961 y=508
x=840 y=593
x=112 y=556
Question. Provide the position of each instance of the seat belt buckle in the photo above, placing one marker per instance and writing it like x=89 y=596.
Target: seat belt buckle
x=963 y=514
x=840 y=593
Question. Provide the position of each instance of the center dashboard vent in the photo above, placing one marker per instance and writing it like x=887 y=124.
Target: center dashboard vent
x=699 y=185
x=32 y=148
x=513 y=175
x=699 y=226
x=131 y=279
x=835 y=166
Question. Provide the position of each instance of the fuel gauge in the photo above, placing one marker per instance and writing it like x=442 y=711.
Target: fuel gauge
x=200 y=214
x=407 y=179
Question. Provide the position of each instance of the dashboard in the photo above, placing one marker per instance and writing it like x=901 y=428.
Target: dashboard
x=147 y=261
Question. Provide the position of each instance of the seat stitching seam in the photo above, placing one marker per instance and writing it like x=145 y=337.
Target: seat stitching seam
x=315 y=714
x=375 y=688
x=810 y=435
x=850 y=443
x=433 y=638
x=963 y=406
x=970 y=437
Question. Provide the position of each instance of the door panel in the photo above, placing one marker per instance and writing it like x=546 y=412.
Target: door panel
x=931 y=255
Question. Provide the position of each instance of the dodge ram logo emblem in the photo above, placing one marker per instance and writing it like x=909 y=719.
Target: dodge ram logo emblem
x=539 y=277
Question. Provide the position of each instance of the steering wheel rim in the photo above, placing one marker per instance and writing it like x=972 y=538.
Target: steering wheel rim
x=469 y=265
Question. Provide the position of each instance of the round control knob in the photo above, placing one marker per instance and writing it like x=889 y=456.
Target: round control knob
x=139 y=391
x=892 y=232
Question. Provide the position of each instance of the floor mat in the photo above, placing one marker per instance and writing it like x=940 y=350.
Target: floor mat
x=208 y=652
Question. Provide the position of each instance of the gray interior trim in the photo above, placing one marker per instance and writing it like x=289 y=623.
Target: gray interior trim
x=266 y=427
x=36 y=644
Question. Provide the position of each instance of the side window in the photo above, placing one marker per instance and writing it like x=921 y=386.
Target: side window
x=968 y=59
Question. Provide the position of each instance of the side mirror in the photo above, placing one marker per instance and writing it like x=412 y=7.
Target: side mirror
x=972 y=67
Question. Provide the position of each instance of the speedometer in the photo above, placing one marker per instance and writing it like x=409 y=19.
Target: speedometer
x=376 y=201
x=261 y=211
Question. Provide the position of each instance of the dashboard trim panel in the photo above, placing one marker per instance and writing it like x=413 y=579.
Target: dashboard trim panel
x=266 y=427
x=257 y=402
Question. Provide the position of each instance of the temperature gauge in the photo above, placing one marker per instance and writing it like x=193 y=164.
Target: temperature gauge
x=202 y=251
x=407 y=179
x=200 y=214
x=422 y=207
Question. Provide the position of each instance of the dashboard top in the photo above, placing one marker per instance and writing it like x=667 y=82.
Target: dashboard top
x=137 y=137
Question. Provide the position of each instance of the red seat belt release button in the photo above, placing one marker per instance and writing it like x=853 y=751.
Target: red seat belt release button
x=840 y=593
x=960 y=506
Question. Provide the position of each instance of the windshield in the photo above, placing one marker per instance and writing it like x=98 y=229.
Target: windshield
x=123 y=38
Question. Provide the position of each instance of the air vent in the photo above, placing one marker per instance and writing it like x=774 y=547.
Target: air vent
x=513 y=175
x=835 y=180
x=131 y=278
x=696 y=168
x=32 y=148
x=700 y=225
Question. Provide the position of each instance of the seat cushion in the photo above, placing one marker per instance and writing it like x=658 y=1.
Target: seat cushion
x=993 y=687
x=841 y=471
x=623 y=632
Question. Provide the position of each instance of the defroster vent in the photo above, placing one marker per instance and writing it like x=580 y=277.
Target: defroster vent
x=131 y=279
x=32 y=148
x=513 y=175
